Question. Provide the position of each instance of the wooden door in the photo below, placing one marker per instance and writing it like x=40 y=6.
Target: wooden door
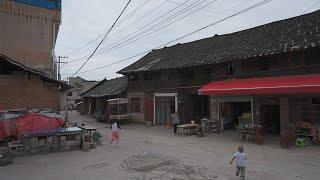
x=149 y=108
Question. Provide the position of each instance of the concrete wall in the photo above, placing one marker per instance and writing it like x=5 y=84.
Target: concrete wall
x=19 y=90
x=28 y=34
x=63 y=99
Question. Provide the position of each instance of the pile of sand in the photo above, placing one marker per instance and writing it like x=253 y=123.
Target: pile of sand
x=153 y=166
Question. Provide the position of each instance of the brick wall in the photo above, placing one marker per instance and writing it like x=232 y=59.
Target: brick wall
x=28 y=34
x=19 y=90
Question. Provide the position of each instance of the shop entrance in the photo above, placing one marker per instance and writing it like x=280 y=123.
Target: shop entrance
x=230 y=113
x=164 y=108
x=270 y=119
x=193 y=108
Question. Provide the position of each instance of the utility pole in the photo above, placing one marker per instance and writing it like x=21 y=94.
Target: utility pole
x=61 y=62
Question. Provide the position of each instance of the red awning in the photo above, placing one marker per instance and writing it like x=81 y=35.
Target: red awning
x=271 y=85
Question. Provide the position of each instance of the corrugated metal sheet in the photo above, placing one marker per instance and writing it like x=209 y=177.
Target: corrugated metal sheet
x=49 y=4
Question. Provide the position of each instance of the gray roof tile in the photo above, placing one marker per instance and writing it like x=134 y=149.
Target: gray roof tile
x=281 y=36
x=106 y=87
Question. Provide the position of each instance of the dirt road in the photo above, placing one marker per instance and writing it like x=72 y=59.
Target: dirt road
x=212 y=153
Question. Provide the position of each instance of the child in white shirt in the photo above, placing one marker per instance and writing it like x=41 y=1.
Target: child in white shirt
x=241 y=158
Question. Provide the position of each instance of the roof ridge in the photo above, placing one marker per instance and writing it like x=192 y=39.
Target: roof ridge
x=251 y=28
x=290 y=34
x=31 y=70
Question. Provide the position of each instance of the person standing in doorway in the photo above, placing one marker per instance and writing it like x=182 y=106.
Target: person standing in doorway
x=175 y=121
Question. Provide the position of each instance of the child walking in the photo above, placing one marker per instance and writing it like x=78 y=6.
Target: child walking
x=115 y=129
x=241 y=158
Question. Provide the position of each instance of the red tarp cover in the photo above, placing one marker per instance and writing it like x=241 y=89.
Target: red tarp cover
x=271 y=85
x=28 y=123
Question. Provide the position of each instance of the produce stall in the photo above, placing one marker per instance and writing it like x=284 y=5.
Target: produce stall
x=118 y=109
x=249 y=132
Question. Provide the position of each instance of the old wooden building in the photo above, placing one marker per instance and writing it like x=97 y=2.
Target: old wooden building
x=24 y=87
x=80 y=85
x=95 y=99
x=284 y=54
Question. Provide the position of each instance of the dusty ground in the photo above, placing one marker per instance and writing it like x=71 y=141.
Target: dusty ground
x=209 y=154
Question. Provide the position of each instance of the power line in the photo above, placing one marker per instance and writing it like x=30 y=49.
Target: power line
x=143 y=16
x=59 y=65
x=103 y=38
x=162 y=21
x=149 y=12
x=90 y=42
x=134 y=40
x=130 y=15
x=186 y=35
x=114 y=45
x=316 y=3
x=125 y=28
x=150 y=23
x=136 y=37
x=101 y=35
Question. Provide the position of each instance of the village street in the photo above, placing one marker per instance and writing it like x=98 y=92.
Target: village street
x=213 y=152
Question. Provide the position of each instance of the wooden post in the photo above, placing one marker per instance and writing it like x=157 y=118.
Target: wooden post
x=284 y=113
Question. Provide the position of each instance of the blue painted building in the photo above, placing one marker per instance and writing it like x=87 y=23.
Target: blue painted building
x=49 y=4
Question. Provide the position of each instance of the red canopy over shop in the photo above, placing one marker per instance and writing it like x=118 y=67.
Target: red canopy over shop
x=270 y=85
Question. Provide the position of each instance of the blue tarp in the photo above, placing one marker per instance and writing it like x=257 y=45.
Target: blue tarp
x=49 y=4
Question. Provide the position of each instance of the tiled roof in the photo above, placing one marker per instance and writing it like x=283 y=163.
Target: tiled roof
x=106 y=87
x=18 y=66
x=293 y=34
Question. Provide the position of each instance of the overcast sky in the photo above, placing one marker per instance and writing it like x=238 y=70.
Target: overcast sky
x=85 y=21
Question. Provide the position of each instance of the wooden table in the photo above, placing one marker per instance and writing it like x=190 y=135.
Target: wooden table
x=187 y=129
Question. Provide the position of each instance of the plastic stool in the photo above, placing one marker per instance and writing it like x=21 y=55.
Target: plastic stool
x=301 y=142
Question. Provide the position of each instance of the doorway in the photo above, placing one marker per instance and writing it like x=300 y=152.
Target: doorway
x=230 y=113
x=164 y=108
x=270 y=119
x=193 y=108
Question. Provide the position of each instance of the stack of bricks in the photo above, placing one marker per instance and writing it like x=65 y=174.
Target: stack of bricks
x=56 y=143
x=16 y=148
x=26 y=145
x=46 y=144
x=87 y=141
x=34 y=145
x=41 y=145
x=5 y=156
x=75 y=143
x=86 y=146
x=64 y=146
x=49 y=144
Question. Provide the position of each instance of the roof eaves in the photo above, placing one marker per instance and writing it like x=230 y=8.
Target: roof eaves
x=93 y=87
x=33 y=71
x=276 y=47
